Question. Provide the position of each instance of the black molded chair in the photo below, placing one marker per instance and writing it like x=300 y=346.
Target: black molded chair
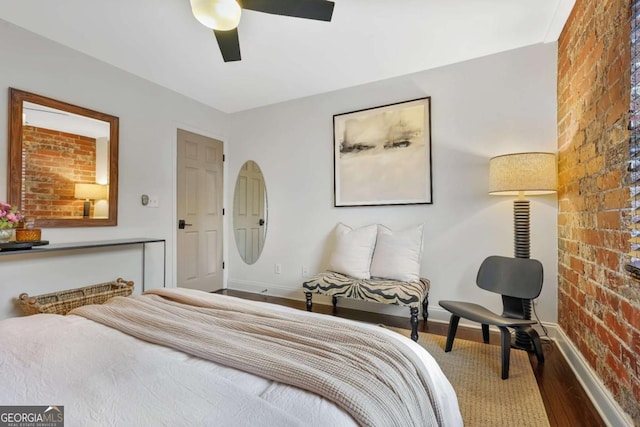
x=515 y=279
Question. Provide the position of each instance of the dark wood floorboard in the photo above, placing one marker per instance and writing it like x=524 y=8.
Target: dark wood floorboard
x=566 y=402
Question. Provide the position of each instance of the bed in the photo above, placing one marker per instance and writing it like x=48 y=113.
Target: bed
x=185 y=357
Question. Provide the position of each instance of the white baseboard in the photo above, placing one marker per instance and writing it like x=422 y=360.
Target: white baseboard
x=265 y=289
x=602 y=399
x=600 y=396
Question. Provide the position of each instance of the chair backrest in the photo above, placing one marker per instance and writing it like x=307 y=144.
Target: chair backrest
x=514 y=277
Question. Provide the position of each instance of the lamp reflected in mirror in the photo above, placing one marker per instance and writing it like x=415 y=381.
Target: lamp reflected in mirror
x=90 y=192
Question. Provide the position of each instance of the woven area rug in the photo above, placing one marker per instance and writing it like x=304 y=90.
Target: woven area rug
x=486 y=400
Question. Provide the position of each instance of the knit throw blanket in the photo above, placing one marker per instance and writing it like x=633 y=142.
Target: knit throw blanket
x=376 y=380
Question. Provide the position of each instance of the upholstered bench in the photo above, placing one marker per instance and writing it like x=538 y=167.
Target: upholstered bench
x=386 y=291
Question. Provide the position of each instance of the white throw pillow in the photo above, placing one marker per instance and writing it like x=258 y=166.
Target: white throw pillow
x=397 y=254
x=353 y=250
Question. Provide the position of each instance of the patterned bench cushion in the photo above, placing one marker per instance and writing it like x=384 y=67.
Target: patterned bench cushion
x=376 y=290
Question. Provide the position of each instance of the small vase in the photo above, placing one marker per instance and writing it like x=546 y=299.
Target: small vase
x=5 y=234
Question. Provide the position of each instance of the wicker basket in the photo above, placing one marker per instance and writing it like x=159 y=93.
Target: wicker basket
x=28 y=234
x=64 y=301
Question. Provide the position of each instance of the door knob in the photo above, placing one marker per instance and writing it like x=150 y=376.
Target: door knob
x=182 y=224
x=261 y=222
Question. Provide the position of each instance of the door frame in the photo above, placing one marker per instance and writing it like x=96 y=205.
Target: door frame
x=174 y=202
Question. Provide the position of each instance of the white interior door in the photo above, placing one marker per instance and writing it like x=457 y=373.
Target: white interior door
x=249 y=216
x=199 y=198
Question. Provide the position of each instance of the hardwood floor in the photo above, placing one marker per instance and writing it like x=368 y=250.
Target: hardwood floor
x=566 y=402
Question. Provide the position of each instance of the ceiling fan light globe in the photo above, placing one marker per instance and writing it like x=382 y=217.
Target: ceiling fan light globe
x=222 y=15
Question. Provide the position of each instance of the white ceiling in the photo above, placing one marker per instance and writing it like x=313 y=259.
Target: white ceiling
x=285 y=58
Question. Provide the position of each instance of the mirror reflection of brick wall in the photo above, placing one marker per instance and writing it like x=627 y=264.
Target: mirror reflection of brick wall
x=56 y=161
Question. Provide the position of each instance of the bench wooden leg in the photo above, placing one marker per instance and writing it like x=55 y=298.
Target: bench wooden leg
x=425 y=308
x=308 y=295
x=334 y=301
x=414 y=323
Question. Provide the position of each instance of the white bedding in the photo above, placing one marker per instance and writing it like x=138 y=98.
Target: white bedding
x=105 y=377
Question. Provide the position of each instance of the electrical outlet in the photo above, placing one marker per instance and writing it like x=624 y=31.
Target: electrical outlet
x=153 y=202
x=277 y=268
x=305 y=271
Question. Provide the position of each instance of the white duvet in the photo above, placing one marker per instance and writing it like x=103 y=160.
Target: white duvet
x=104 y=377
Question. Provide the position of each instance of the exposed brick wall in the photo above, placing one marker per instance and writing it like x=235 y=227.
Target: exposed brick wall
x=598 y=302
x=54 y=162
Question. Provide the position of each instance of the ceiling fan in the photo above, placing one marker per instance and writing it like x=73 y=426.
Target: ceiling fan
x=223 y=17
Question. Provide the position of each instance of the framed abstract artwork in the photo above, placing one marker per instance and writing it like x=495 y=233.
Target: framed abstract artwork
x=382 y=155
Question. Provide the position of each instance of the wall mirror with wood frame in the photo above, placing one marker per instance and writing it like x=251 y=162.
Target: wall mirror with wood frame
x=63 y=162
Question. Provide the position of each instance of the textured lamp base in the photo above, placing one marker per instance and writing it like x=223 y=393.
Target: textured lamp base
x=521 y=221
x=521 y=249
x=522 y=341
x=86 y=209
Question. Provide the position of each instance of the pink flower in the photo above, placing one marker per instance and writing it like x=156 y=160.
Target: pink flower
x=9 y=216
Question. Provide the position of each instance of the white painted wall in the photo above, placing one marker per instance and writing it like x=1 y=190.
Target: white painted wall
x=494 y=105
x=149 y=116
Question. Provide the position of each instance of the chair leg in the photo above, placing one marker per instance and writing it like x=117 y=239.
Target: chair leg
x=308 y=295
x=414 y=323
x=485 y=333
x=425 y=308
x=334 y=301
x=453 y=327
x=506 y=350
x=537 y=344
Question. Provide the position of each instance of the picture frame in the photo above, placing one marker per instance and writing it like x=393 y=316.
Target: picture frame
x=382 y=155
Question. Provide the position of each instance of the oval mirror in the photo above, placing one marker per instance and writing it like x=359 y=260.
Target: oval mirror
x=63 y=162
x=250 y=212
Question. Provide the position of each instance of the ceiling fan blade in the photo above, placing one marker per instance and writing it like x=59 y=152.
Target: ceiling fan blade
x=320 y=10
x=229 y=44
